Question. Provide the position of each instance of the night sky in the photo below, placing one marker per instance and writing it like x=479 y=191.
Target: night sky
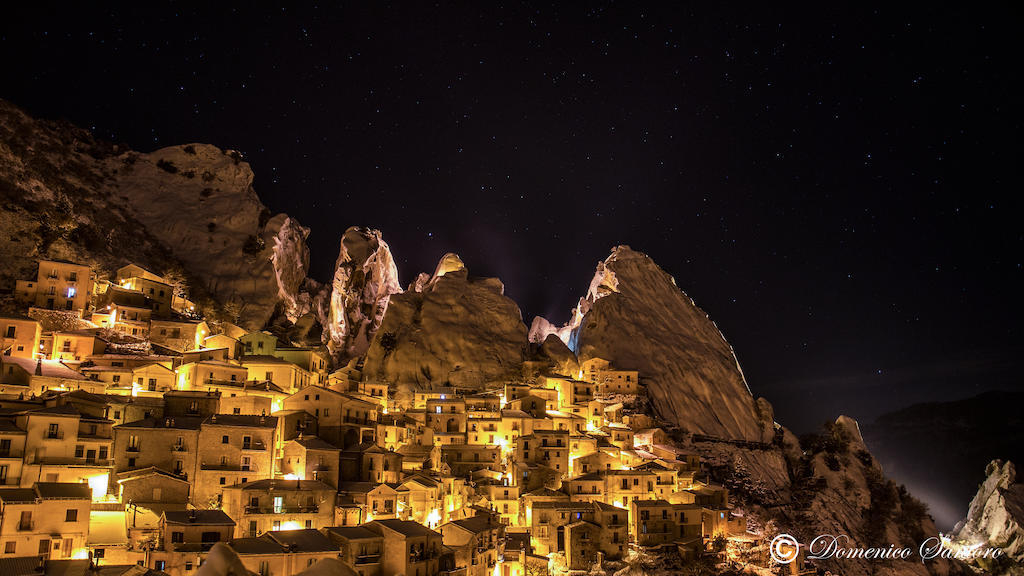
x=837 y=188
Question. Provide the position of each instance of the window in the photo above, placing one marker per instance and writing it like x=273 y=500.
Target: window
x=161 y=564
x=79 y=451
x=223 y=481
x=116 y=378
x=72 y=291
x=152 y=384
x=177 y=537
x=10 y=334
x=224 y=440
x=53 y=431
x=277 y=524
x=10 y=547
x=71 y=515
x=188 y=566
x=131 y=462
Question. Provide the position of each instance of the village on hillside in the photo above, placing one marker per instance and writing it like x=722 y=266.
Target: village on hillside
x=135 y=434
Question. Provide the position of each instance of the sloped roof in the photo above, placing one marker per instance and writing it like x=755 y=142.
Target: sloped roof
x=476 y=524
x=46 y=368
x=63 y=491
x=314 y=443
x=279 y=484
x=405 y=527
x=246 y=420
x=205 y=517
x=172 y=422
x=352 y=532
x=306 y=540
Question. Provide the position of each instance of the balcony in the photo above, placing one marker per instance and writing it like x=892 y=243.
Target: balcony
x=282 y=510
x=254 y=446
x=132 y=449
x=230 y=467
x=179 y=448
x=364 y=559
x=26 y=526
x=51 y=435
x=361 y=421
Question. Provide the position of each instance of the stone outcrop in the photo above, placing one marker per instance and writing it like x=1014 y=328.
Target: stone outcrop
x=365 y=278
x=996 y=514
x=186 y=210
x=449 y=328
x=635 y=314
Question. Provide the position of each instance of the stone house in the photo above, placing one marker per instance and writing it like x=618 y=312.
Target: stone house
x=19 y=336
x=475 y=542
x=185 y=538
x=285 y=552
x=408 y=547
x=368 y=462
x=153 y=488
x=235 y=449
x=48 y=519
x=359 y=548
x=59 y=285
x=309 y=457
x=272 y=504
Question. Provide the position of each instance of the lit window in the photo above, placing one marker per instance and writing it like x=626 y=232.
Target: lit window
x=72 y=291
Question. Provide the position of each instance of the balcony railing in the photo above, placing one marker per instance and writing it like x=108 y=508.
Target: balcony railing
x=179 y=448
x=58 y=435
x=26 y=526
x=354 y=420
x=132 y=449
x=230 y=467
x=367 y=559
x=282 y=509
x=254 y=446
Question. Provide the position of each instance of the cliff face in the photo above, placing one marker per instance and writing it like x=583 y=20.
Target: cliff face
x=189 y=211
x=449 y=328
x=996 y=515
x=635 y=314
x=365 y=277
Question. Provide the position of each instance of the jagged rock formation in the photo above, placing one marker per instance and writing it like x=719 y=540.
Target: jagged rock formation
x=365 y=277
x=996 y=514
x=448 y=328
x=186 y=210
x=199 y=201
x=635 y=314
x=290 y=257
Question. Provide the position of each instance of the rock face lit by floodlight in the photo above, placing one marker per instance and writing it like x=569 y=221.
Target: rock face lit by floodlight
x=635 y=314
x=449 y=328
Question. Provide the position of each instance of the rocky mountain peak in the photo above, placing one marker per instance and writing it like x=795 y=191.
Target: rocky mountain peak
x=633 y=312
x=365 y=277
x=450 y=327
